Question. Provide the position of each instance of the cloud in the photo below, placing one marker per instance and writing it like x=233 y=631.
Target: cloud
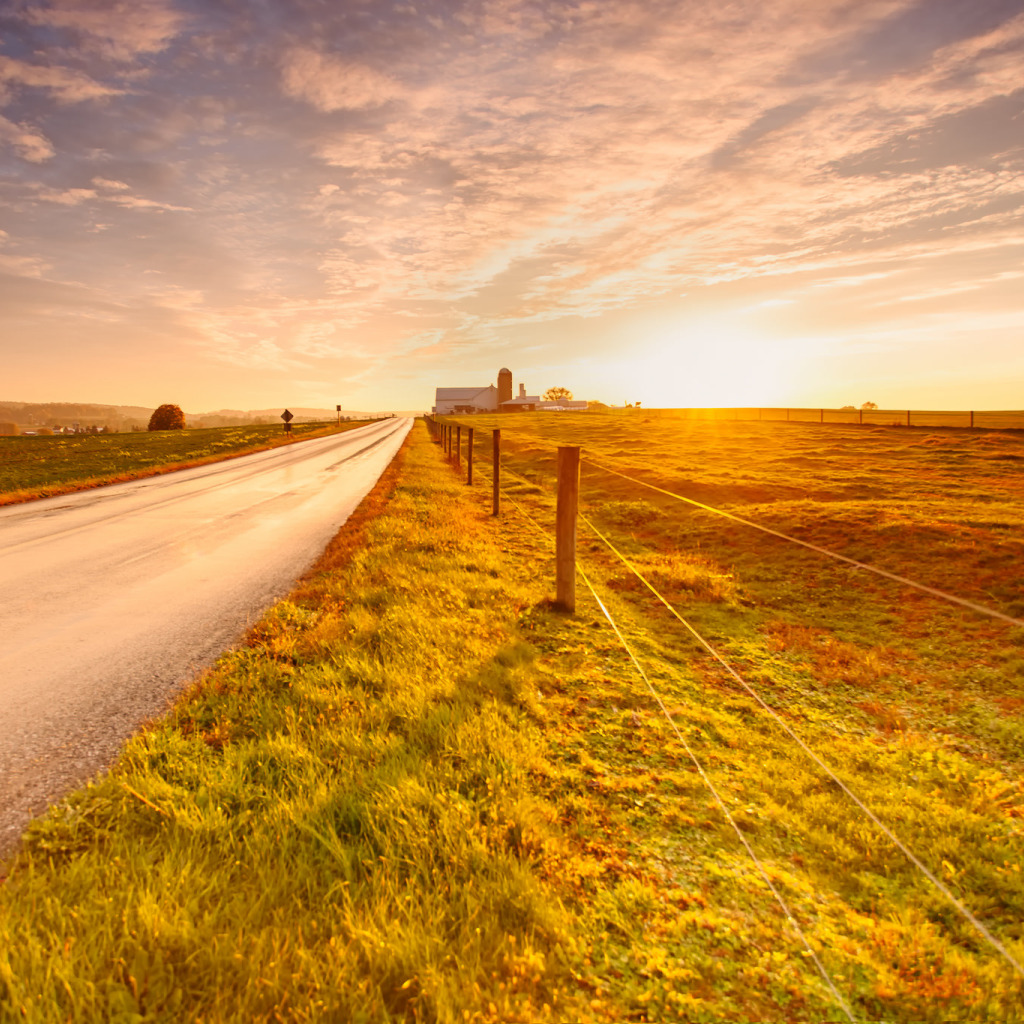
x=910 y=36
x=969 y=136
x=65 y=85
x=138 y=203
x=29 y=144
x=352 y=176
x=771 y=120
x=121 y=29
x=69 y=197
x=330 y=84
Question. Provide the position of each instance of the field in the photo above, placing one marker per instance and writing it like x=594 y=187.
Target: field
x=1011 y=419
x=33 y=467
x=420 y=793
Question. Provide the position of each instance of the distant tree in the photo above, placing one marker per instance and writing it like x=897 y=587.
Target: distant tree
x=869 y=405
x=556 y=394
x=45 y=431
x=8 y=429
x=848 y=408
x=167 y=417
x=595 y=404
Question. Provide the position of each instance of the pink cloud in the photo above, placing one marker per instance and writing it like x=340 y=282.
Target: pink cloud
x=63 y=84
x=329 y=83
x=29 y=144
x=121 y=29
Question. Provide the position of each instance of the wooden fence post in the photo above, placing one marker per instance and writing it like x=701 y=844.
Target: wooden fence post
x=469 y=458
x=565 y=527
x=496 y=469
x=861 y=416
x=908 y=417
x=458 y=445
x=972 y=419
x=821 y=418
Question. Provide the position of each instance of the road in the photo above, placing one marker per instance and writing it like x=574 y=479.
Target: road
x=114 y=598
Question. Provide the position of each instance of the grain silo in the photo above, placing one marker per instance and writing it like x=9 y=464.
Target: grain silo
x=504 y=386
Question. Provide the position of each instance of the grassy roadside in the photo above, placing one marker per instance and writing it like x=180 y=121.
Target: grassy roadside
x=418 y=793
x=42 y=467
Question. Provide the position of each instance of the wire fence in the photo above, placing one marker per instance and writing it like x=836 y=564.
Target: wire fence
x=979 y=419
x=533 y=482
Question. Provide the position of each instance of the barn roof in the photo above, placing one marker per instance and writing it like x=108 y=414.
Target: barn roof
x=526 y=400
x=459 y=394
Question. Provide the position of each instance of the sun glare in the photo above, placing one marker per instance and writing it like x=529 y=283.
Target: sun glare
x=714 y=362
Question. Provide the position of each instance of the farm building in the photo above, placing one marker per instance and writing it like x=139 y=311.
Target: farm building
x=448 y=401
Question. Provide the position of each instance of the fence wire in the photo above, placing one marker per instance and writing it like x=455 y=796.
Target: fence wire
x=762 y=871
x=893 y=838
x=939 y=886
x=924 y=588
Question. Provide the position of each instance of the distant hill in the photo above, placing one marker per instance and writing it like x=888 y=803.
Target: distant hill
x=30 y=415
x=66 y=414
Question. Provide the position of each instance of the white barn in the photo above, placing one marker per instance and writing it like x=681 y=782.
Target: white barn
x=454 y=400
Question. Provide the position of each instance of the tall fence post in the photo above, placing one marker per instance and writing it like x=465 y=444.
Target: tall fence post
x=458 y=445
x=908 y=417
x=821 y=417
x=496 y=470
x=861 y=416
x=565 y=527
x=469 y=457
x=972 y=419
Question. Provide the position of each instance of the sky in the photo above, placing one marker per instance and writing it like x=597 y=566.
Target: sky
x=251 y=203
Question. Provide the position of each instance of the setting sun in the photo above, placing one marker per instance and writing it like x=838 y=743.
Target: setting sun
x=714 y=361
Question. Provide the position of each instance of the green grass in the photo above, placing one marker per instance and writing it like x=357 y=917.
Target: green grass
x=419 y=793
x=34 y=467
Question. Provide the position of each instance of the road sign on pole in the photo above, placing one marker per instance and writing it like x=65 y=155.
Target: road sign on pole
x=287 y=416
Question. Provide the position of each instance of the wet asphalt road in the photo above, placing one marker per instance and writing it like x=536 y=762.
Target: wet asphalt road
x=114 y=598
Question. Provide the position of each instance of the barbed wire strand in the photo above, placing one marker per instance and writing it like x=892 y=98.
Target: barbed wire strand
x=934 y=592
x=793 y=923
x=936 y=882
x=942 y=888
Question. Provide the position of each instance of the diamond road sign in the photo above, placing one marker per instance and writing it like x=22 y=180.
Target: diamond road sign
x=287 y=416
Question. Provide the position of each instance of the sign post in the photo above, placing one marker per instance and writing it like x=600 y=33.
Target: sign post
x=338 y=409
x=287 y=416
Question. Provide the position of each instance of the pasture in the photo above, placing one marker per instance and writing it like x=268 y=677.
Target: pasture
x=41 y=466
x=420 y=793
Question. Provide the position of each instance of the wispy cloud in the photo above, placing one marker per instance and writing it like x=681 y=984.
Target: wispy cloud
x=28 y=143
x=332 y=84
x=121 y=29
x=64 y=84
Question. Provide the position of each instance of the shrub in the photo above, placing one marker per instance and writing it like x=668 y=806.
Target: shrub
x=167 y=417
x=8 y=429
